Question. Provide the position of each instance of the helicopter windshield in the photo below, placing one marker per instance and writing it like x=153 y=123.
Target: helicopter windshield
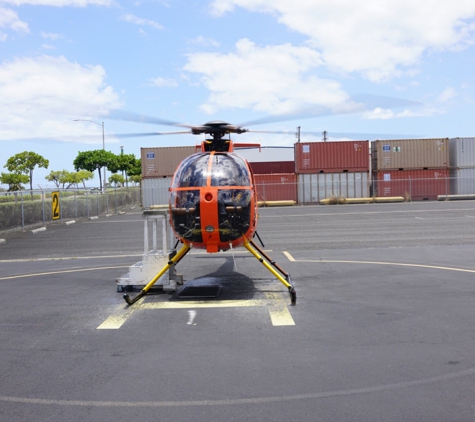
x=224 y=205
x=193 y=171
x=225 y=170
x=229 y=170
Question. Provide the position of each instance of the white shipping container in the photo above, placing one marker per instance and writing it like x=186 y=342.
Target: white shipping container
x=462 y=181
x=155 y=191
x=462 y=152
x=312 y=188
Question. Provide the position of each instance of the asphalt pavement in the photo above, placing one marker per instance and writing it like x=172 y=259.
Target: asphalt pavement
x=383 y=329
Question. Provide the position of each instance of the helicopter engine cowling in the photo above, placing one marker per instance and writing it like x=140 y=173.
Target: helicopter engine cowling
x=213 y=201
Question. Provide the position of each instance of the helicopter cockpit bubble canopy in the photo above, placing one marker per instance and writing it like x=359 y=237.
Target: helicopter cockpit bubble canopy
x=212 y=170
x=212 y=200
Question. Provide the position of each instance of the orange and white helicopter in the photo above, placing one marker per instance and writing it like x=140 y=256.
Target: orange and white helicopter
x=213 y=201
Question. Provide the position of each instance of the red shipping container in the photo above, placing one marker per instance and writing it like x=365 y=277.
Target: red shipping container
x=414 y=185
x=332 y=157
x=276 y=187
x=272 y=167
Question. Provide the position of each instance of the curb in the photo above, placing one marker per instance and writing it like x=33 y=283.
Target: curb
x=93 y=218
x=70 y=222
x=41 y=229
x=2 y=241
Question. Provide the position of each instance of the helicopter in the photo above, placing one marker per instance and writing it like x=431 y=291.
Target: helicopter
x=213 y=202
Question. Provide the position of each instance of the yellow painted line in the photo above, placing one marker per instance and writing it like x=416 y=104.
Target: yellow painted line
x=202 y=304
x=78 y=270
x=114 y=322
x=279 y=313
x=289 y=257
x=118 y=318
x=281 y=317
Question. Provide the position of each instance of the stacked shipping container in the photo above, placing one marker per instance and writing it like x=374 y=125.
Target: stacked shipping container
x=275 y=180
x=416 y=169
x=328 y=169
x=158 y=166
x=462 y=166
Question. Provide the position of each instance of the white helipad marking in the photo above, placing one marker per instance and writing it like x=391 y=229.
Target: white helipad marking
x=245 y=401
x=336 y=261
x=191 y=317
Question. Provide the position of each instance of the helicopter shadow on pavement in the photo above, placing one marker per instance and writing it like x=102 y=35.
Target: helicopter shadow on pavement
x=234 y=284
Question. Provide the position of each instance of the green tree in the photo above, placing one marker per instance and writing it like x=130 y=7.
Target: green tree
x=126 y=163
x=58 y=177
x=135 y=179
x=117 y=179
x=136 y=168
x=65 y=179
x=14 y=181
x=24 y=163
x=95 y=160
x=81 y=176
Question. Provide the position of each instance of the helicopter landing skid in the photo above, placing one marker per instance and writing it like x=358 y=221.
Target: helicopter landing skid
x=273 y=267
x=174 y=260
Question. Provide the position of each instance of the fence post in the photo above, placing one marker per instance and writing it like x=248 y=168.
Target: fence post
x=22 y=212
x=43 y=206
x=410 y=189
x=87 y=204
x=97 y=201
x=75 y=204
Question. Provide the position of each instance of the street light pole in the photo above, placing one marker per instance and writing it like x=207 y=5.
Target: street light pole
x=103 y=146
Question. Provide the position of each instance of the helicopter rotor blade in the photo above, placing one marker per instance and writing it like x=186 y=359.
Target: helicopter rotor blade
x=350 y=135
x=138 y=135
x=141 y=118
x=357 y=103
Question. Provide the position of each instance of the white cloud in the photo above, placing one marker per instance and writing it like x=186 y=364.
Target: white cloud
x=163 y=82
x=432 y=107
x=60 y=3
x=378 y=38
x=273 y=79
x=446 y=95
x=40 y=96
x=9 y=19
x=205 y=42
x=139 y=21
x=51 y=36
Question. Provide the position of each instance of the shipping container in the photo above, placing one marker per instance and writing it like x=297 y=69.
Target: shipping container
x=266 y=153
x=414 y=185
x=155 y=191
x=272 y=167
x=462 y=152
x=276 y=187
x=163 y=161
x=332 y=157
x=462 y=181
x=312 y=188
x=410 y=154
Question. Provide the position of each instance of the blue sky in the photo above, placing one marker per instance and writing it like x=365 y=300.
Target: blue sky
x=232 y=60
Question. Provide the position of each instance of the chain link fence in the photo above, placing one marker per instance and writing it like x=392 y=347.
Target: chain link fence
x=19 y=210
x=24 y=209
